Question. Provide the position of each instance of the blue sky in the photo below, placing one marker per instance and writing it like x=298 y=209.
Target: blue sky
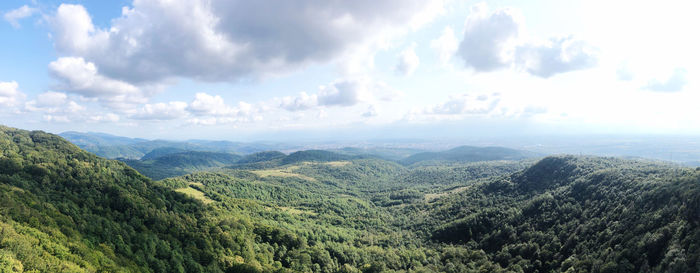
x=261 y=70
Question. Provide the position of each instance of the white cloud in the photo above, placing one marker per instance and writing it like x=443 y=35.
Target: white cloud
x=208 y=105
x=408 y=61
x=674 y=83
x=15 y=15
x=478 y=105
x=109 y=117
x=557 y=55
x=56 y=118
x=341 y=93
x=446 y=45
x=53 y=102
x=82 y=78
x=492 y=41
x=224 y=40
x=349 y=92
x=162 y=111
x=10 y=94
x=212 y=110
x=488 y=39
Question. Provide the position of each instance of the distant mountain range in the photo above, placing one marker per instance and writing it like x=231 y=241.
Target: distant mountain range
x=160 y=159
x=470 y=154
x=110 y=146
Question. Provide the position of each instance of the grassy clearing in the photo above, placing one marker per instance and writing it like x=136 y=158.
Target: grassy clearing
x=282 y=173
x=330 y=163
x=196 y=194
x=337 y=163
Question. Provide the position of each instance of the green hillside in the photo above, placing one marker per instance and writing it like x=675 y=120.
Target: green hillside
x=65 y=210
x=577 y=214
x=175 y=164
x=261 y=156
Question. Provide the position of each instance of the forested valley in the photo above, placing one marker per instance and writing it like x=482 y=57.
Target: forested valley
x=63 y=209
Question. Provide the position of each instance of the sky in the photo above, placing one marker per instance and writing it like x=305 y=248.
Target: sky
x=271 y=70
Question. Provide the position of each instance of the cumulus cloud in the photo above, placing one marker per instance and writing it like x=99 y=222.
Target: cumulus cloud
x=53 y=102
x=345 y=93
x=10 y=94
x=208 y=105
x=212 y=110
x=224 y=40
x=59 y=107
x=341 y=93
x=162 y=111
x=673 y=83
x=408 y=61
x=446 y=45
x=558 y=55
x=492 y=41
x=81 y=77
x=489 y=37
x=20 y=13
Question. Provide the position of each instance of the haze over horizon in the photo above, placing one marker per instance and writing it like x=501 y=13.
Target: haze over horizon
x=359 y=70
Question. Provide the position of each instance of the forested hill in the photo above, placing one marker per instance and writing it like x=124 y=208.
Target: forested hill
x=65 y=210
x=469 y=154
x=577 y=214
x=180 y=163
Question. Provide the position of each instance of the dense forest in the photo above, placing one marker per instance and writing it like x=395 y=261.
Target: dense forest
x=63 y=209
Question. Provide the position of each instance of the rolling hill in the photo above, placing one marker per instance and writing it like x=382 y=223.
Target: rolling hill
x=180 y=163
x=66 y=210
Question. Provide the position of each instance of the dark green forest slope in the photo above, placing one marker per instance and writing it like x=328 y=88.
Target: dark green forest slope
x=180 y=163
x=65 y=210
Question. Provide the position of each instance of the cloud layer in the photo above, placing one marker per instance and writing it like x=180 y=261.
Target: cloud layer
x=223 y=40
x=489 y=37
x=491 y=41
x=82 y=78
